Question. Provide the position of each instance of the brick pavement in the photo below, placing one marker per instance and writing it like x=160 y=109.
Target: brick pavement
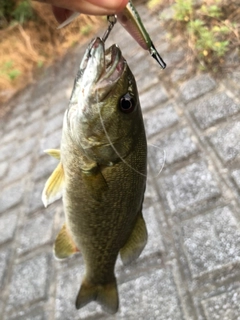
x=190 y=267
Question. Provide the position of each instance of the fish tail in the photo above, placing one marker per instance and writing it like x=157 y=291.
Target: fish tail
x=106 y=295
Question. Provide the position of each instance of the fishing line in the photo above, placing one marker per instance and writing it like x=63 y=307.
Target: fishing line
x=110 y=142
x=164 y=159
x=118 y=154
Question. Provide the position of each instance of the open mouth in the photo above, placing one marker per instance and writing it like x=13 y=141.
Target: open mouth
x=110 y=64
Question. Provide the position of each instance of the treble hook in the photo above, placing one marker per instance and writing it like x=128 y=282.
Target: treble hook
x=112 y=19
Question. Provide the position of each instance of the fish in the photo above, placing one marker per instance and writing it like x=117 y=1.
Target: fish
x=131 y=21
x=101 y=174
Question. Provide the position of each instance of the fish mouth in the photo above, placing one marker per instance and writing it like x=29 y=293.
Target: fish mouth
x=106 y=66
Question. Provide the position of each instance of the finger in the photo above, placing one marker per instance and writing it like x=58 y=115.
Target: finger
x=92 y=7
x=61 y=14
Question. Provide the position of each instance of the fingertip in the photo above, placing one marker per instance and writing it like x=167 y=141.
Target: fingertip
x=61 y=14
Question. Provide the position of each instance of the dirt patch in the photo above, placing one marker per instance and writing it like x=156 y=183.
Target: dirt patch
x=27 y=49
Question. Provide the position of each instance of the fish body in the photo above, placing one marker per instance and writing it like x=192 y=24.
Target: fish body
x=101 y=174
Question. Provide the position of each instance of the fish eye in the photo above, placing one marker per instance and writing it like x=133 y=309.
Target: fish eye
x=127 y=103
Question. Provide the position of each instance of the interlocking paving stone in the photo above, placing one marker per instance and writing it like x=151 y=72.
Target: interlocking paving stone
x=11 y=196
x=3 y=169
x=53 y=124
x=236 y=177
x=8 y=223
x=19 y=169
x=4 y=260
x=153 y=98
x=8 y=149
x=160 y=119
x=217 y=107
x=36 y=231
x=51 y=141
x=196 y=87
x=172 y=148
x=44 y=167
x=155 y=242
x=35 y=197
x=188 y=186
x=226 y=141
x=150 y=296
x=25 y=147
x=225 y=306
x=32 y=129
x=68 y=284
x=36 y=314
x=29 y=282
x=211 y=241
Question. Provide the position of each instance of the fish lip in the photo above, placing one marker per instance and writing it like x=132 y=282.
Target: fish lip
x=110 y=62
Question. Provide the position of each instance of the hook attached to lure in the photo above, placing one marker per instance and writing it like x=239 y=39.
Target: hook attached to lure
x=131 y=21
x=112 y=19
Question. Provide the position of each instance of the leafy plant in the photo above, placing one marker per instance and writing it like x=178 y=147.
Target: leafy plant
x=12 y=11
x=208 y=28
x=8 y=71
x=23 y=12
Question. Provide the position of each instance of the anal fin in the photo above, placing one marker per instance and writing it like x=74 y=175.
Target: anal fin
x=64 y=245
x=136 y=242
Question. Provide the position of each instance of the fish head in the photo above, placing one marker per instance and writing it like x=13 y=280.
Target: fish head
x=104 y=111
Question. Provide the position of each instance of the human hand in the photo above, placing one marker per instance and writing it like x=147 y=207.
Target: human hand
x=63 y=9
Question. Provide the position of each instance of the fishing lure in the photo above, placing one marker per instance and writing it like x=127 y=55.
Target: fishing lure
x=131 y=21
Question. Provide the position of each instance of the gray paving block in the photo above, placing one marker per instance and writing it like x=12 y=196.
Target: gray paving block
x=4 y=263
x=44 y=167
x=26 y=146
x=3 y=169
x=31 y=129
x=38 y=313
x=160 y=119
x=35 y=196
x=19 y=169
x=196 y=87
x=153 y=97
x=58 y=105
x=53 y=124
x=68 y=284
x=236 y=177
x=188 y=186
x=211 y=241
x=155 y=241
x=29 y=281
x=225 y=306
x=150 y=296
x=52 y=141
x=11 y=196
x=226 y=141
x=8 y=224
x=172 y=148
x=36 y=231
x=210 y=110
x=8 y=150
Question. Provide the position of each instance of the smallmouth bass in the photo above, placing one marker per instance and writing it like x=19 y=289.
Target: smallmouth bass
x=101 y=174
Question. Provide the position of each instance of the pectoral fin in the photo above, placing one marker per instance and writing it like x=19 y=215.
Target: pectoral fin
x=136 y=242
x=53 y=187
x=55 y=153
x=64 y=245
